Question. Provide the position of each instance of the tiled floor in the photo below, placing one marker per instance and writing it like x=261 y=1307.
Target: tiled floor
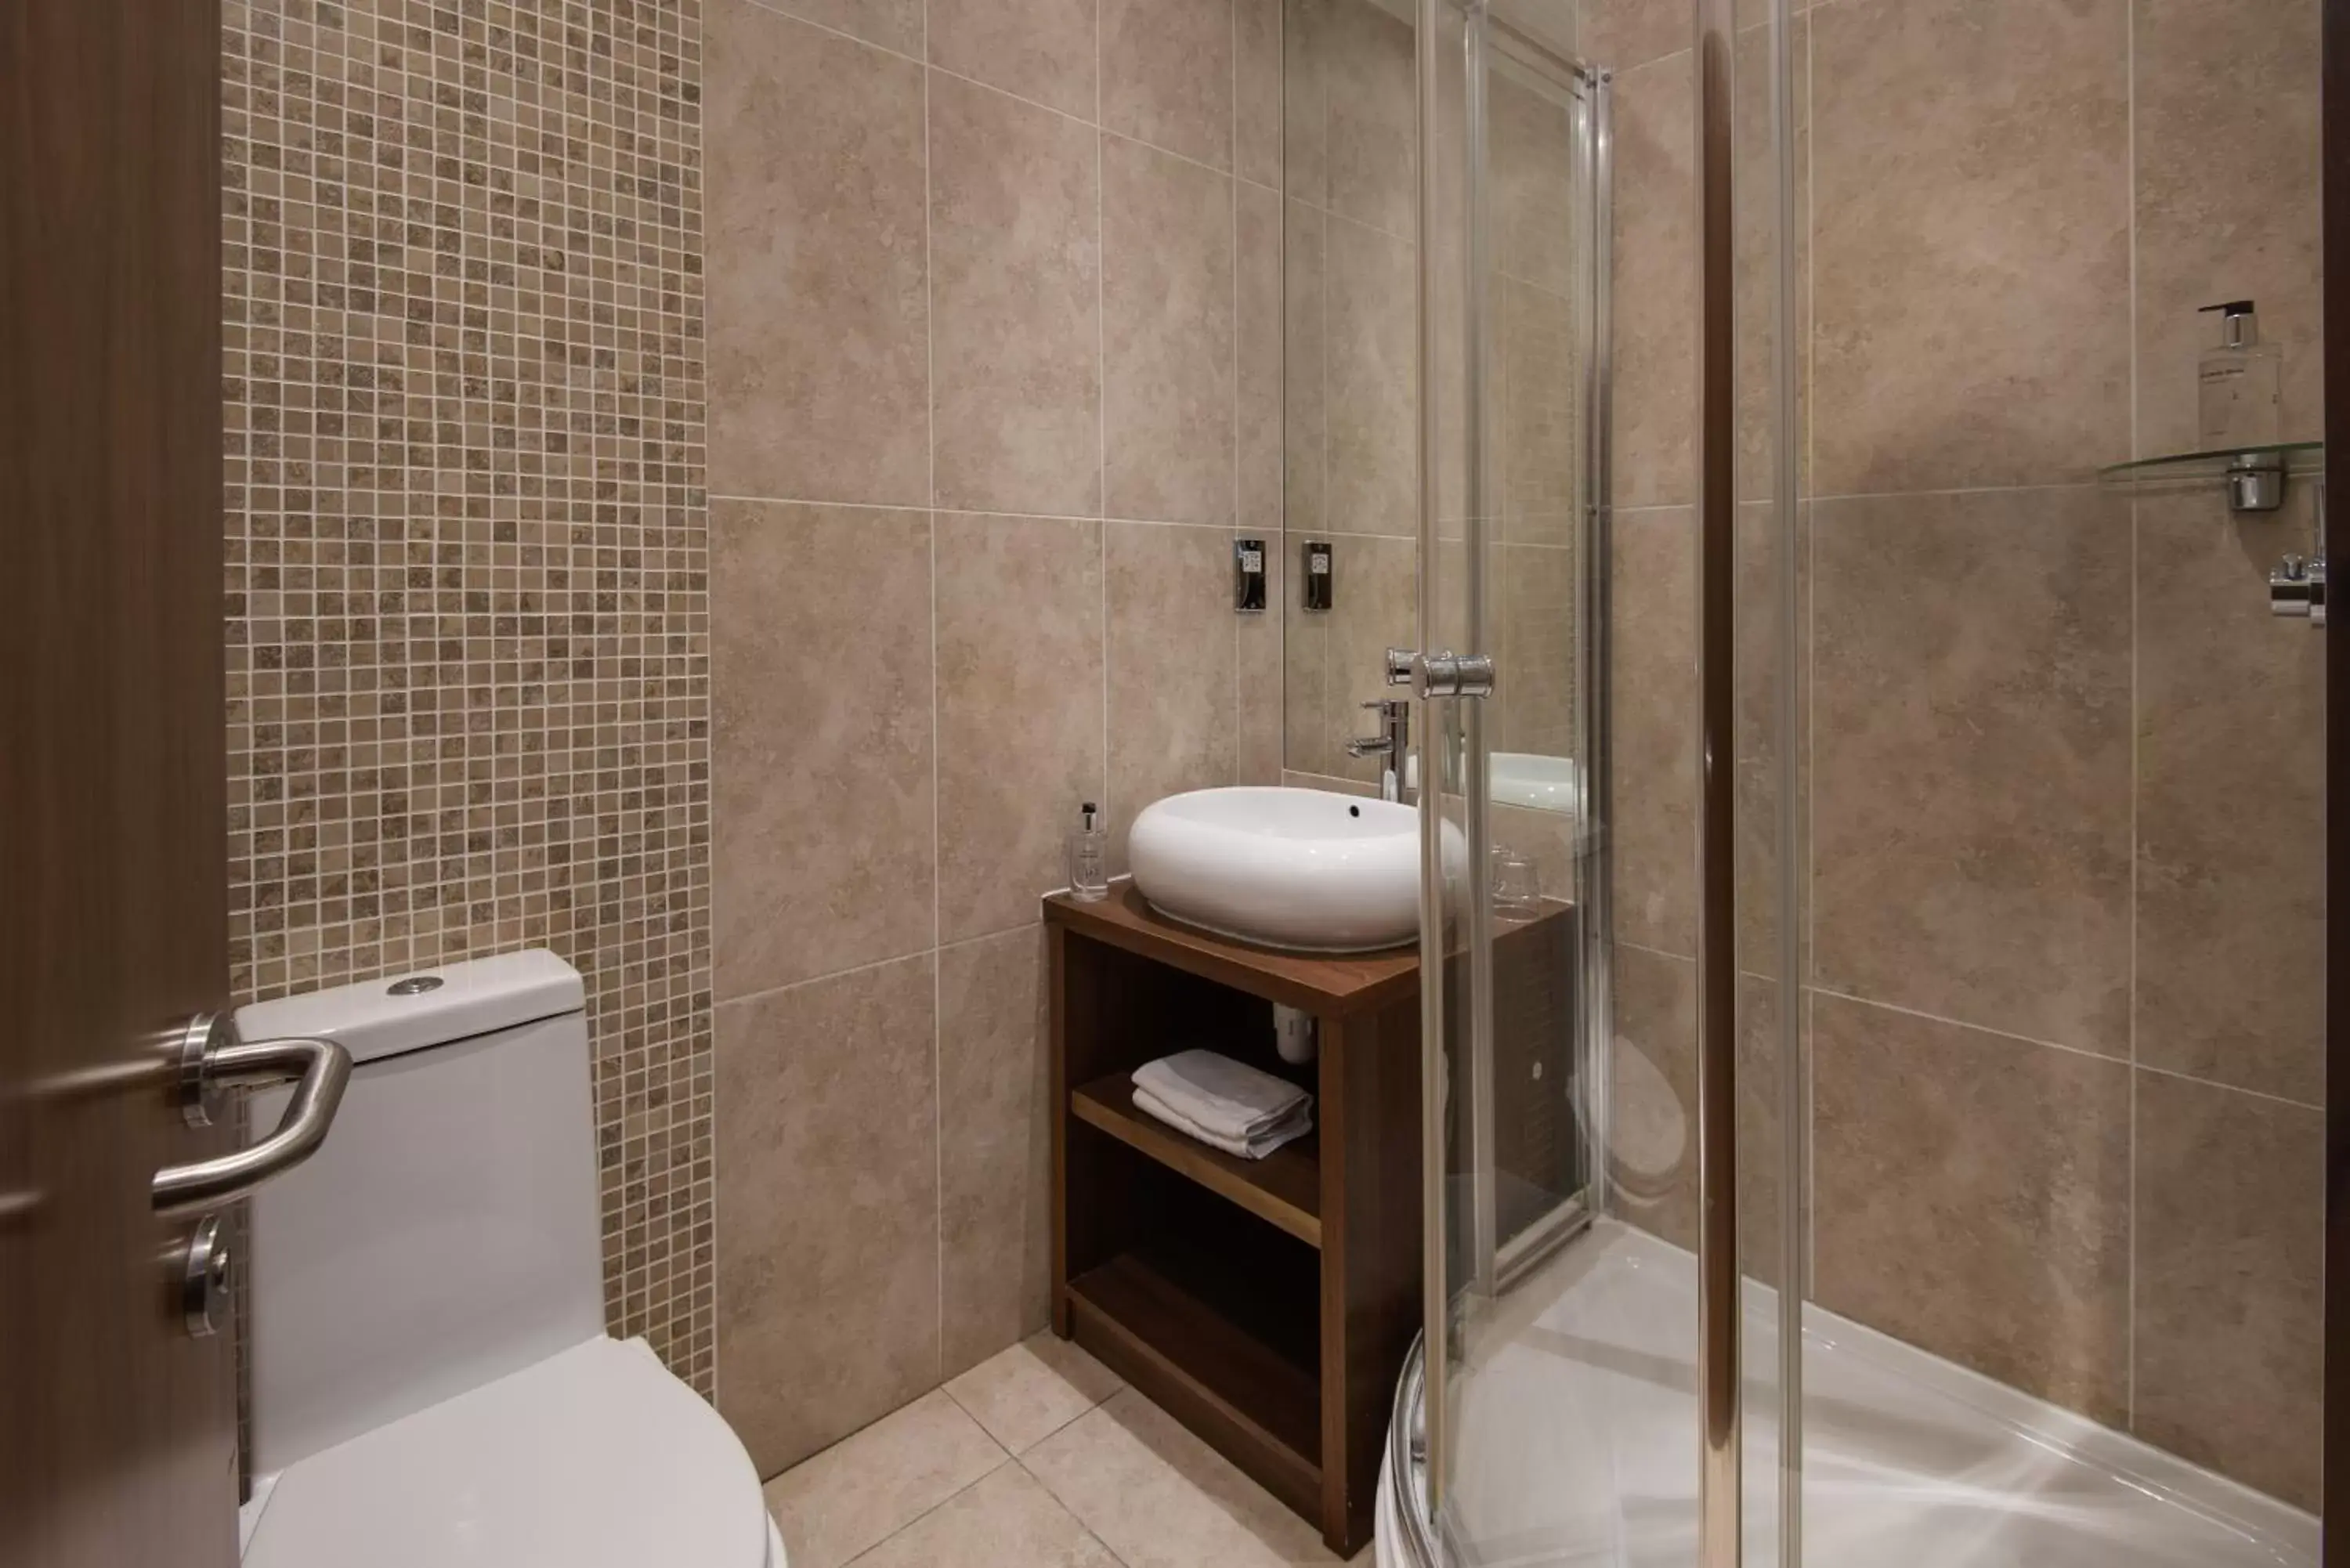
x=1038 y=1457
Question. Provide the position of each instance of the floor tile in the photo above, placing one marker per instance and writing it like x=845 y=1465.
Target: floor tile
x=1161 y=1498
x=1025 y=1394
x=1008 y=1520
x=857 y=1492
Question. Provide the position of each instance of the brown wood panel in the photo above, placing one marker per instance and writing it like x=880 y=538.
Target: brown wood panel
x=118 y=1443
x=2336 y=206
x=1318 y=982
x=1128 y=986
x=1111 y=1011
x=1153 y=1326
x=1537 y=1145
x=1370 y=1251
x=1285 y=1189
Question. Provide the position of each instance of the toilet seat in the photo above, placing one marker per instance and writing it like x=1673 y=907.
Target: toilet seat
x=593 y=1458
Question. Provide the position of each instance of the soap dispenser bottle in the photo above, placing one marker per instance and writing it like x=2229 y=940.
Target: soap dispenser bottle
x=1088 y=857
x=2239 y=384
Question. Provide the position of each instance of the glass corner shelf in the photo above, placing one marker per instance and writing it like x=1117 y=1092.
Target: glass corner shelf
x=2295 y=456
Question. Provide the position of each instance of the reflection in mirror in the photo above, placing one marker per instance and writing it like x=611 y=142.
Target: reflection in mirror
x=1520 y=497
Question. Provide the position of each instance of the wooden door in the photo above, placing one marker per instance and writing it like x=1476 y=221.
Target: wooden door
x=2335 y=1496
x=117 y=1427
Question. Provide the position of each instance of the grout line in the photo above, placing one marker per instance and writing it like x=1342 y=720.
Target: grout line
x=1365 y=225
x=1806 y=400
x=2263 y=1094
x=982 y=512
x=1009 y=1459
x=2130 y=1389
x=1107 y=812
x=1000 y=931
x=773 y=9
x=930 y=527
x=1234 y=728
x=764 y=993
x=2074 y=484
x=1169 y=151
x=1815 y=988
x=1021 y=1454
x=1962 y=1024
x=1330 y=721
x=1277 y=568
x=1091 y=1535
x=2124 y=1061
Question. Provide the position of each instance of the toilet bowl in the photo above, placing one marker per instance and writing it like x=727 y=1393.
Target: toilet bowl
x=431 y=1380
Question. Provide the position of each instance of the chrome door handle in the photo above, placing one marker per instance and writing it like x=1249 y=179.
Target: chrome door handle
x=1445 y=674
x=1457 y=675
x=319 y=1069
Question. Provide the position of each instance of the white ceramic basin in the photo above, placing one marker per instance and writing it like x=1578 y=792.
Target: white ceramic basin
x=1299 y=868
x=1542 y=784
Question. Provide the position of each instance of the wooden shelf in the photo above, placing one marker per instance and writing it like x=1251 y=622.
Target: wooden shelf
x=1174 y=1324
x=1268 y=1305
x=1333 y=985
x=1284 y=1189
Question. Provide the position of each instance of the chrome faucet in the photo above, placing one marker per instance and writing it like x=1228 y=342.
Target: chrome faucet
x=1391 y=745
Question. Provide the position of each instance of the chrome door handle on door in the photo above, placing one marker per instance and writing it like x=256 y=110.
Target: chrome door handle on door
x=217 y=1059
x=1445 y=674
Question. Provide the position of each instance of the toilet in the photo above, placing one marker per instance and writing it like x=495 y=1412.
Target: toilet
x=431 y=1380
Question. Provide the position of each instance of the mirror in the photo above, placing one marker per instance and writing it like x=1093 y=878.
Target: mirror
x=1516 y=422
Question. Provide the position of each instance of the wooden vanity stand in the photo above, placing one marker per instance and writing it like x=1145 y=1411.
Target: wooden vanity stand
x=1267 y=1305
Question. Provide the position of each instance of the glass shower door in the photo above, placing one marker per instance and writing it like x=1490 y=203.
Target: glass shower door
x=1512 y=569
x=1566 y=1334
x=1947 y=1063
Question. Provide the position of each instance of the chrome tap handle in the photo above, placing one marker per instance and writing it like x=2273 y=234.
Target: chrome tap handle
x=1395 y=730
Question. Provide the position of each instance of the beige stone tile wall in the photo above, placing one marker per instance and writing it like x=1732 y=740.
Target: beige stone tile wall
x=467 y=616
x=2060 y=868
x=995 y=382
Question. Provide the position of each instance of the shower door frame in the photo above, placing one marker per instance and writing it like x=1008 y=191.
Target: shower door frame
x=1425 y=1387
x=1594 y=153
x=1418 y=1430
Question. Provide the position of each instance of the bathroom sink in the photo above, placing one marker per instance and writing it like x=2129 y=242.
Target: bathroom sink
x=1304 y=869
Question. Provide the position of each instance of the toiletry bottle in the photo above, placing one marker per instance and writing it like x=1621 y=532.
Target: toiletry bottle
x=1089 y=857
x=2240 y=383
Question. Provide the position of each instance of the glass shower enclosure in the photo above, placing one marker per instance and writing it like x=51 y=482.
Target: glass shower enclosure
x=1873 y=912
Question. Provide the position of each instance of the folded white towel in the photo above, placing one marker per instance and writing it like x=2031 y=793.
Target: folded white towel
x=1296 y=1125
x=1229 y=1098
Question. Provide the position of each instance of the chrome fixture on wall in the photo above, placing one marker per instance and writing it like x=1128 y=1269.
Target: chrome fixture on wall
x=2297 y=587
x=2256 y=482
x=1392 y=744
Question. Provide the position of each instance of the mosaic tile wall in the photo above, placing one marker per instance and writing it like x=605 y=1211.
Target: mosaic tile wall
x=469 y=692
